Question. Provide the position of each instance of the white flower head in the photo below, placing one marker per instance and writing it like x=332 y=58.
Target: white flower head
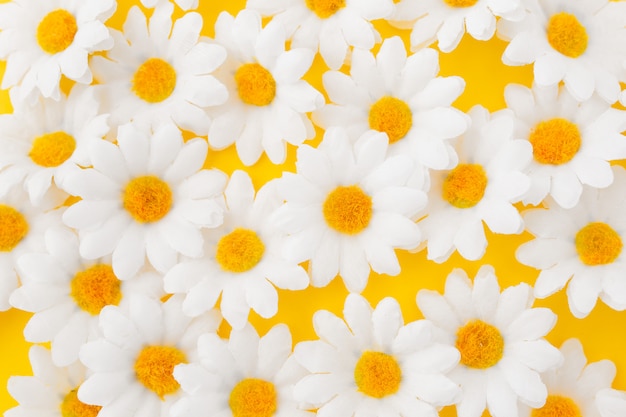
x=501 y=340
x=611 y=402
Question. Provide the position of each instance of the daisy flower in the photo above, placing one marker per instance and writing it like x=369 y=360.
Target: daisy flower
x=44 y=39
x=330 y=26
x=347 y=208
x=572 y=142
x=147 y=195
x=610 y=402
x=132 y=365
x=500 y=338
x=583 y=244
x=159 y=72
x=481 y=188
x=243 y=260
x=375 y=364
x=245 y=376
x=578 y=42
x=271 y=101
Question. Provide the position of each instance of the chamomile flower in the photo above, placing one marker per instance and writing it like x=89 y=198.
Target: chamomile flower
x=147 y=195
x=347 y=208
x=44 y=39
x=572 y=142
x=578 y=42
x=243 y=260
x=375 y=364
x=582 y=245
x=132 y=366
x=481 y=188
x=500 y=338
x=611 y=402
x=269 y=107
x=330 y=26
x=159 y=72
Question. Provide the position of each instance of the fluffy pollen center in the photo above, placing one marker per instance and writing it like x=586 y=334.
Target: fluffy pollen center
x=465 y=185
x=567 y=35
x=13 y=228
x=392 y=116
x=154 y=368
x=253 y=397
x=240 y=250
x=555 y=141
x=377 y=374
x=73 y=407
x=52 y=149
x=460 y=3
x=154 y=80
x=558 y=406
x=147 y=199
x=348 y=209
x=56 y=31
x=255 y=84
x=598 y=244
x=325 y=8
x=481 y=344
x=96 y=287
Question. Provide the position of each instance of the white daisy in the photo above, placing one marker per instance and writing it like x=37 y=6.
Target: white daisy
x=269 y=107
x=578 y=42
x=42 y=40
x=159 y=72
x=245 y=376
x=572 y=142
x=500 y=338
x=147 y=195
x=611 y=402
x=243 y=260
x=481 y=188
x=330 y=26
x=583 y=244
x=375 y=364
x=132 y=366
x=347 y=208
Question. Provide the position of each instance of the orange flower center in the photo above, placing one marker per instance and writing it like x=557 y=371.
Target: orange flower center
x=598 y=244
x=377 y=374
x=56 y=31
x=465 y=185
x=555 y=141
x=348 y=209
x=73 y=407
x=325 y=8
x=13 y=228
x=154 y=368
x=154 y=80
x=239 y=251
x=52 y=149
x=253 y=397
x=392 y=116
x=558 y=406
x=481 y=345
x=96 y=287
x=147 y=199
x=256 y=85
x=567 y=35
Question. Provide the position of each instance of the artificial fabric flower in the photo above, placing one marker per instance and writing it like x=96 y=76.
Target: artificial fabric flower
x=501 y=340
x=611 y=402
x=269 y=107
x=147 y=195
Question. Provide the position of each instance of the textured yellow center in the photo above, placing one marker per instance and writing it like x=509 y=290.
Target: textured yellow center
x=13 y=228
x=154 y=80
x=377 y=374
x=52 y=149
x=481 y=344
x=147 y=198
x=465 y=185
x=56 y=31
x=325 y=8
x=555 y=141
x=348 y=209
x=253 y=397
x=255 y=85
x=558 y=406
x=239 y=251
x=567 y=35
x=460 y=3
x=95 y=288
x=392 y=116
x=598 y=244
x=73 y=407
x=154 y=368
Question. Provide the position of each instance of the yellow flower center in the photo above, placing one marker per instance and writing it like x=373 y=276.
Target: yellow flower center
x=239 y=251
x=567 y=35
x=557 y=406
x=598 y=244
x=95 y=288
x=255 y=85
x=465 y=185
x=460 y=3
x=56 y=31
x=348 y=209
x=73 y=407
x=555 y=141
x=154 y=80
x=253 y=397
x=325 y=8
x=13 y=228
x=481 y=344
x=52 y=149
x=154 y=368
x=392 y=116
x=377 y=374
x=147 y=198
